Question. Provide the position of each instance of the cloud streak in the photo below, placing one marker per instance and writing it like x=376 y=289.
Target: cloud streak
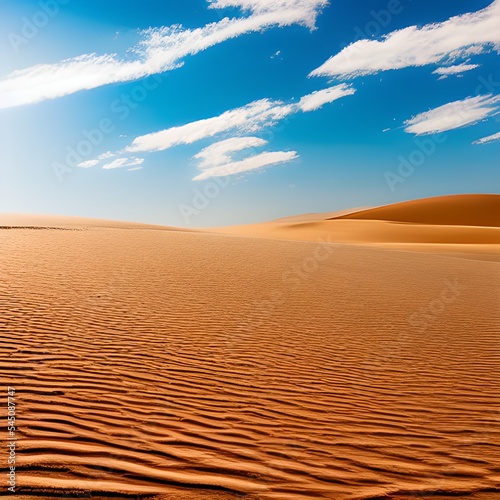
x=455 y=69
x=490 y=138
x=318 y=99
x=302 y=12
x=454 y=115
x=247 y=119
x=217 y=159
x=252 y=163
x=459 y=37
x=220 y=153
x=123 y=162
x=161 y=49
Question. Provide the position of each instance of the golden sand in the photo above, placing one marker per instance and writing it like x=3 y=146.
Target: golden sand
x=291 y=360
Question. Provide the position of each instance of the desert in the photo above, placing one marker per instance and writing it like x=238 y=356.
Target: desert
x=352 y=357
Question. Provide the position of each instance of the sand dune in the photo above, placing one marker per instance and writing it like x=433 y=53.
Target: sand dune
x=195 y=365
x=461 y=210
x=447 y=224
x=318 y=216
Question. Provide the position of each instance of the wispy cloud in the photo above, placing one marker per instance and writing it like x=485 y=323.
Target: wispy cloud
x=217 y=160
x=302 y=12
x=456 y=69
x=247 y=119
x=490 y=138
x=454 y=115
x=123 y=162
x=459 y=37
x=252 y=163
x=88 y=163
x=319 y=98
x=161 y=49
x=220 y=153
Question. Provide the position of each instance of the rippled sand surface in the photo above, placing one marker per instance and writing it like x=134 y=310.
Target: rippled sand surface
x=194 y=365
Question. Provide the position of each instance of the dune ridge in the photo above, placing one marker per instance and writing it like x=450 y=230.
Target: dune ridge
x=465 y=225
x=462 y=210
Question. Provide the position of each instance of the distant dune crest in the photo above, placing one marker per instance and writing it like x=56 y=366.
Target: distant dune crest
x=460 y=210
x=466 y=225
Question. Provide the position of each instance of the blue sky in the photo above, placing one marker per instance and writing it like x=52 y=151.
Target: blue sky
x=203 y=113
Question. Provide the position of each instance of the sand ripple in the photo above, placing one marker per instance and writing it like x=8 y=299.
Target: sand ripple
x=191 y=365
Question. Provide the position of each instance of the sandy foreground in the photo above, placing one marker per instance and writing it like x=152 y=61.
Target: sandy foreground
x=348 y=356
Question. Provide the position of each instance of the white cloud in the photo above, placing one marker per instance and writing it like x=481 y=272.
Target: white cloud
x=217 y=159
x=104 y=156
x=458 y=37
x=220 y=152
x=247 y=119
x=251 y=163
x=317 y=99
x=88 y=163
x=454 y=115
x=162 y=49
x=307 y=10
x=123 y=162
x=490 y=138
x=93 y=163
x=455 y=69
